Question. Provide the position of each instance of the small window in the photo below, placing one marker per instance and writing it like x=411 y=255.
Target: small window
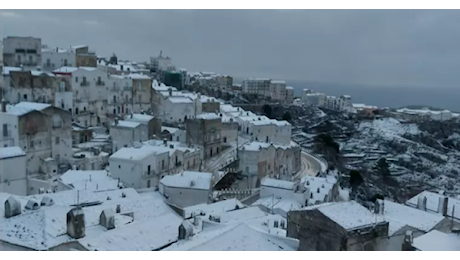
x=119 y=166
x=57 y=140
x=162 y=164
x=25 y=96
x=76 y=80
x=31 y=145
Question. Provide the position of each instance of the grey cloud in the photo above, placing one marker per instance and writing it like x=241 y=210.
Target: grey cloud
x=397 y=47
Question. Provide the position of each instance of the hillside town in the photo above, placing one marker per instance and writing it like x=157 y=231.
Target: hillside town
x=103 y=154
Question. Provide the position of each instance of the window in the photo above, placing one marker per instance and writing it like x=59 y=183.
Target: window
x=76 y=80
x=31 y=144
x=25 y=96
x=162 y=164
x=19 y=58
x=62 y=86
x=5 y=130
x=114 y=99
x=177 y=139
x=57 y=139
x=119 y=166
x=148 y=170
x=99 y=79
x=140 y=98
x=48 y=62
x=139 y=86
x=65 y=62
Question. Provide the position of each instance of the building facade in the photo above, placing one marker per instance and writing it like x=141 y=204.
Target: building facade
x=22 y=51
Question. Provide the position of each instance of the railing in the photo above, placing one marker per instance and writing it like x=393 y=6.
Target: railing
x=100 y=83
x=84 y=84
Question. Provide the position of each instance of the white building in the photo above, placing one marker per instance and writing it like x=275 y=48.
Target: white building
x=141 y=167
x=437 y=241
x=126 y=134
x=44 y=133
x=278 y=90
x=54 y=58
x=161 y=63
x=89 y=93
x=402 y=218
x=173 y=134
x=436 y=203
x=120 y=99
x=89 y=159
x=13 y=177
x=257 y=86
x=87 y=180
x=246 y=229
x=186 y=188
x=258 y=160
x=124 y=221
x=25 y=51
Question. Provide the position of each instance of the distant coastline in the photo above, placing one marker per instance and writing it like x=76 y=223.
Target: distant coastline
x=381 y=96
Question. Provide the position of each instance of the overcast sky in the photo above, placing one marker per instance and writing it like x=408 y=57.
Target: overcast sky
x=376 y=47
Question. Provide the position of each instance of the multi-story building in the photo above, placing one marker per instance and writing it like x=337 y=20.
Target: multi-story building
x=89 y=94
x=127 y=134
x=205 y=131
x=54 y=58
x=161 y=63
x=257 y=86
x=142 y=93
x=289 y=95
x=84 y=57
x=120 y=100
x=150 y=124
x=258 y=160
x=22 y=51
x=44 y=132
x=278 y=90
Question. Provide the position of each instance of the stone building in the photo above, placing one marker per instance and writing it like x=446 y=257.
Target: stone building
x=205 y=131
x=345 y=226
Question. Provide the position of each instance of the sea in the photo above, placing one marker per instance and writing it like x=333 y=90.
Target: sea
x=386 y=96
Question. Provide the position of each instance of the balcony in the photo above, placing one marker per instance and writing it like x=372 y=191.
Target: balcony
x=148 y=174
x=84 y=84
x=100 y=83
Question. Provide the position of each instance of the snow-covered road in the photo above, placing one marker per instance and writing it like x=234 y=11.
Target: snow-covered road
x=310 y=166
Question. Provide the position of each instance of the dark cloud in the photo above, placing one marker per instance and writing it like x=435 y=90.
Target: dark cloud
x=400 y=47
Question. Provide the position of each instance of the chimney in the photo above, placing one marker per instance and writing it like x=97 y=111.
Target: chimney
x=32 y=205
x=76 y=223
x=47 y=201
x=3 y=105
x=185 y=230
x=442 y=205
x=12 y=207
x=107 y=219
x=421 y=203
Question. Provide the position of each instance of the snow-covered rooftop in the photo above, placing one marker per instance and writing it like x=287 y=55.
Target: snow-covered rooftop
x=216 y=208
x=188 y=179
x=171 y=130
x=142 y=118
x=44 y=228
x=180 y=100
x=269 y=182
x=278 y=82
x=73 y=69
x=137 y=76
x=402 y=214
x=132 y=153
x=283 y=204
x=126 y=123
x=10 y=152
x=89 y=180
x=350 y=215
x=25 y=107
x=432 y=202
x=437 y=241
x=208 y=116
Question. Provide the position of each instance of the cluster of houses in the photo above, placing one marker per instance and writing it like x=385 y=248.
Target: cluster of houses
x=99 y=155
x=275 y=90
x=315 y=99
